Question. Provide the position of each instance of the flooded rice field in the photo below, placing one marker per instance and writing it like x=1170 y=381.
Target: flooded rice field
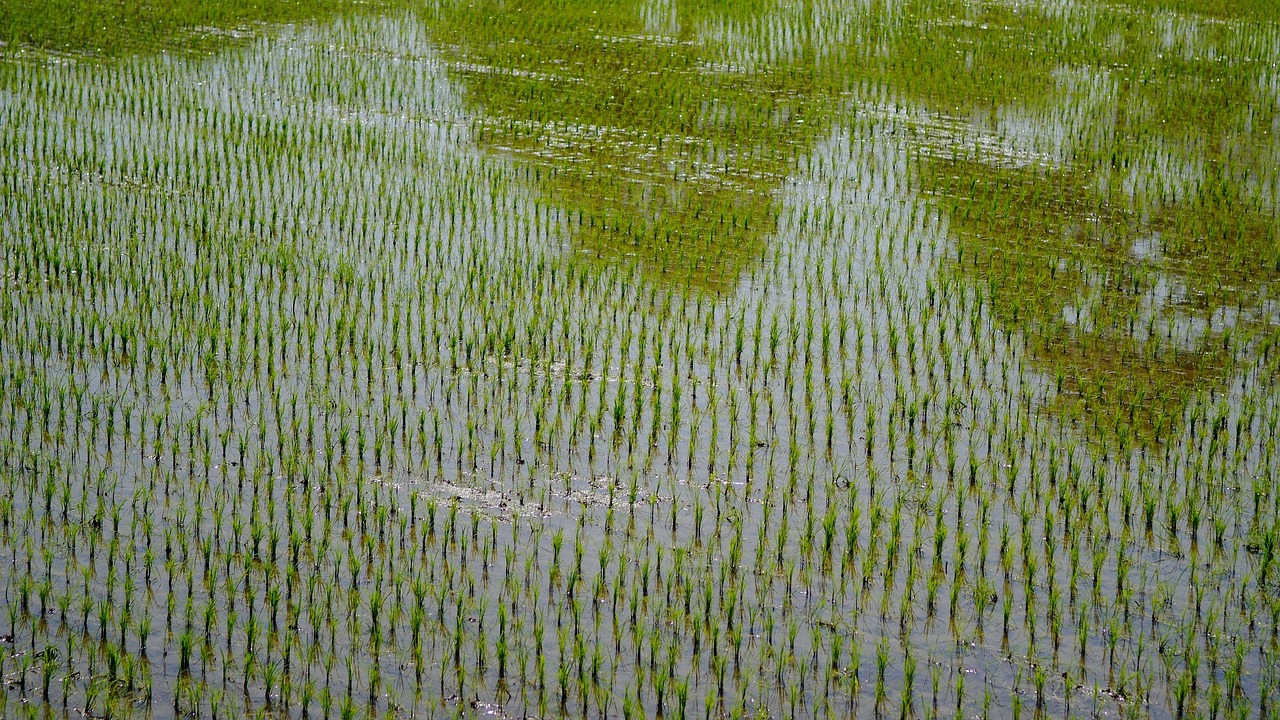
x=678 y=358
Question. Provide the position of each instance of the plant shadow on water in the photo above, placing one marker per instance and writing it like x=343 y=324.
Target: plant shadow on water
x=111 y=28
x=663 y=154
x=1138 y=256
x=1133 y=294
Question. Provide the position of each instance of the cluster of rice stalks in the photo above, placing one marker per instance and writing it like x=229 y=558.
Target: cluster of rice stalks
x=686 y=359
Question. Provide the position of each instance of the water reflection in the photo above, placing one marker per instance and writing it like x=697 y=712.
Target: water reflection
x=108 y=28
x=1117 y=206
x=664 y=153
x=1120 y=213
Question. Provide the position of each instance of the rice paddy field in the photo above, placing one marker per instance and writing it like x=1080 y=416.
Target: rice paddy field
x=643 y=358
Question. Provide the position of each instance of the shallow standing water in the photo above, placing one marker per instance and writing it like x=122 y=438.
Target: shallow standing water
x=698 y=359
